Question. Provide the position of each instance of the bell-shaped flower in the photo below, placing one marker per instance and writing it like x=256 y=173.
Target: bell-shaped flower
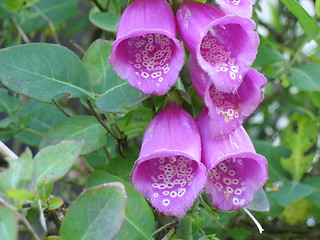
x=146 y=52
x=235 y=171
x=227 y=111
x=224 y=45
x=241 y=8
x=168 y=171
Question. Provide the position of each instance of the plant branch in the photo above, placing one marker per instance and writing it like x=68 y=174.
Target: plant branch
x=107 y=152
x=96 y=2
x=77 y=46
x=169 y=234
x=6 y=152
x=50 y=23
x=21 y=218
x=60 y=108
x=100 y=120
x=20 y=30
x=152 y=107
x=163 y=227
x=111 y=120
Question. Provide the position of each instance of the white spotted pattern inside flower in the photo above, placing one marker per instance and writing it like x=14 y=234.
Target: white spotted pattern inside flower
x=150 y=56
x=225 y=104
x=215 y=53
x=173 y=178
x=235 y=2
x=226 y=179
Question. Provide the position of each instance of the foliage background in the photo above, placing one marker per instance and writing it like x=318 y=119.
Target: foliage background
x=52 y=96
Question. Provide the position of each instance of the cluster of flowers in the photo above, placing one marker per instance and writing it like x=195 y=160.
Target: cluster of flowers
x=180 y=156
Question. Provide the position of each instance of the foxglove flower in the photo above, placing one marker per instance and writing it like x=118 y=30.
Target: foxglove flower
x=224 y=45
x=168 y=171
x=235 y=171
x=242 y=8
x=227 y=111
x=146 y=52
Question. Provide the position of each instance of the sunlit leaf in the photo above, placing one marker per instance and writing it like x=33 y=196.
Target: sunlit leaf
x=8 y=224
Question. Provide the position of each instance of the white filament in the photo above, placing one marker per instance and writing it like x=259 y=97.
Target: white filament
x=254 y=220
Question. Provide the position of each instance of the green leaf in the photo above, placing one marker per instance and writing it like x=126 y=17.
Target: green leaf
x=78 y=128
x=309 y=26
x=315 y=98
x=58 y=11
x=318 y=8
x=314 y=181
x=291 y=193
x=35 y=216
x=37 y=117
x=115 y=92
x=99 y=213
x=20 y=194
x=54 y=203
x=184 y=230
x=306 y=77
x=17 y=5
x=267 y=55
x=42 y=71
x=19 y=174
x=8 y=224
x=272 y=154
x=104 y=20
x=139 y=223
x=122 y=166
x=8 y=104
x=300 y=137
x=260 y=202
x=297 y=212
x=53 y=162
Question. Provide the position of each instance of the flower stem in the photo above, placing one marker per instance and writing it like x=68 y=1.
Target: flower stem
x=163 y=227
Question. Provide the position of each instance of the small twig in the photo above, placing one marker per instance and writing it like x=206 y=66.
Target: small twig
x=152 y=107
x=60 y=108
x=100 y=120
x=20 y=30
x=35 y=132
x=77 y=46
x=96 y=2
x=114 y=125
x=21 y=218
x=107 y=153
x=6 y=152
x=169 y=234
x=51 y=25
x=163 y=227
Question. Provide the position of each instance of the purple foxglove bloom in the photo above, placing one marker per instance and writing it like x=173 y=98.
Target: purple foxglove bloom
x=146 y=52
x=168 y=171
x=224 y=45
x=242 y=8
x=227 y=111
x=235 y=171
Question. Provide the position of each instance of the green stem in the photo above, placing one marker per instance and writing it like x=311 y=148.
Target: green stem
x=35 y=132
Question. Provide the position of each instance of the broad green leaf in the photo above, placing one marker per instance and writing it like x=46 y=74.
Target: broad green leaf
x=115 y=93
x=318 y=7
x=307 y=23
x=37 y=118
x=8 y=224
x=267 y=55
x=8 y=104
x=35 y=216
x=184 y=230
x=19 y=174
x=315 y=98
x=19 y=4
x=297 y=212
x=20 y=194
x=54 y=203
x=291 y=193
x=99 y=213
x=78 y=128
x=44 y=190
x=42 y=71
x=139 y=223
x=58 y=11
x=104 y=20
x=121 y=166
x=53 y=162
x=300 y=137
x=272 y=154
x=314 y=181
x=306 y=77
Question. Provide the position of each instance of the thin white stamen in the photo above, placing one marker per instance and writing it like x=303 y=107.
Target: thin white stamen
x=254 y=220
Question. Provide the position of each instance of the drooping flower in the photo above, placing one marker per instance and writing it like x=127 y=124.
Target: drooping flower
x=235 y=171
x=146 y=52
x=242 y=8
x=224 y=45
x=168 y=171
x=227 y=111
